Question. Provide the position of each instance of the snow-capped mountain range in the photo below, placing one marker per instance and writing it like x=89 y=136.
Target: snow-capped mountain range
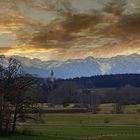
x=82 y=67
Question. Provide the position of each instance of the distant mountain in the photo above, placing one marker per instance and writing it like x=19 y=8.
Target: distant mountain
x=82 y=67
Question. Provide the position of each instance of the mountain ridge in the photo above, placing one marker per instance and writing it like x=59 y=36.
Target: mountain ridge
x=89 y=66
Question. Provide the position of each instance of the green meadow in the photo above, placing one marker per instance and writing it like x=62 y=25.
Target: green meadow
x=84 y=126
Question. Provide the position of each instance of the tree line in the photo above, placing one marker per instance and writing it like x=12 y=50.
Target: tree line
x=107 y=81
x=69 y=91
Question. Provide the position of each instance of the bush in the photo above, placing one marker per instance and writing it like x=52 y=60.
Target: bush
x=106 y=120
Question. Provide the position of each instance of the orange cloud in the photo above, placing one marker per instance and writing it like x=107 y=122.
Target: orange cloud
x=73 y=34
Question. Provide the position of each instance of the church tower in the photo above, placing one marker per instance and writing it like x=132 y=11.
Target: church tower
x=51 y=81
x=52 y=78
x=51 y=72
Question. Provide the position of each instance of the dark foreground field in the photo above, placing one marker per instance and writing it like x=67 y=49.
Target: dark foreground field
x=82 y=126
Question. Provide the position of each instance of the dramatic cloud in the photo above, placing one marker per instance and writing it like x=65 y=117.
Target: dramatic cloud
x=64 y=29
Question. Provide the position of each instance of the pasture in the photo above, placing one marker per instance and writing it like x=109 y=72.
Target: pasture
x=83 y=126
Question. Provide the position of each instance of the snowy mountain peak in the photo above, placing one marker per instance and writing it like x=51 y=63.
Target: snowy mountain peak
x=82 y=67
x=134 y=55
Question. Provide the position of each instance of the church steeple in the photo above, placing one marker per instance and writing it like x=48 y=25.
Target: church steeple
x=51 y=81
x=51 y=72
x=52 y=78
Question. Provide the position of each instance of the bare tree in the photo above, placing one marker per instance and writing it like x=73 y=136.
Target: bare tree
x=65 y=93
x=16 y=93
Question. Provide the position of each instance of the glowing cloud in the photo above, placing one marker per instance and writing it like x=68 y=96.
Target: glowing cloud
x=59 y=29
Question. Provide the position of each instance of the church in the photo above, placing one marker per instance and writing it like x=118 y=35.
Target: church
x=51 y=81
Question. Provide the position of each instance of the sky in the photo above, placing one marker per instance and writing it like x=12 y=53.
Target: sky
x=69 y=29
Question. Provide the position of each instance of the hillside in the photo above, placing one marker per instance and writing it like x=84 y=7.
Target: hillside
x=108 y=81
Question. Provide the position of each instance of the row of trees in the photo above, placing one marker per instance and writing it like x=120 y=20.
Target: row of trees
x=107 y=81
x=69 y=92
x=17 y=93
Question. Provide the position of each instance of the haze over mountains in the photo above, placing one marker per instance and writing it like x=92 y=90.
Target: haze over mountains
x=82 y=67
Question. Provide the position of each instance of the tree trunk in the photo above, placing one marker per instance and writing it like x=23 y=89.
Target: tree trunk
x=1 y=112
x=8 y=122
x=1 y=120
x=14 y=120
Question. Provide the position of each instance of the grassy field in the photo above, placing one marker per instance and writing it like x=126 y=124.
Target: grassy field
x=104 y=108
x=127 y=109
x=86 y=126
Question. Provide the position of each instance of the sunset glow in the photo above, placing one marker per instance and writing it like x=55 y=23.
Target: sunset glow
x=64 y=29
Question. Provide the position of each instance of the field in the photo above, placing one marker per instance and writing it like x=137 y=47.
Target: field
x=84 y=126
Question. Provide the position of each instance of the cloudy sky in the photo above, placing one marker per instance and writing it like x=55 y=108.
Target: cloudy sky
x=69 y=29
